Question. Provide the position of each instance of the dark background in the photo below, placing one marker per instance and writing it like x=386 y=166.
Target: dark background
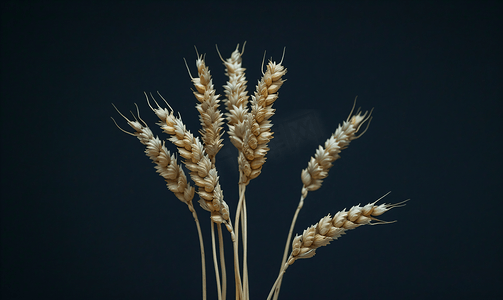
x=84 y=215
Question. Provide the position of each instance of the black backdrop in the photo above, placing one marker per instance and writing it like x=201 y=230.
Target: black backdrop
x=84 y=215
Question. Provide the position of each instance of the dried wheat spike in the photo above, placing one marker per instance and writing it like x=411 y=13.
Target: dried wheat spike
x=209 y=114
x=330 y=228
x=239 y=120
x=165 y=163
x=319 y=165
x=203 y=173
x=252 y=134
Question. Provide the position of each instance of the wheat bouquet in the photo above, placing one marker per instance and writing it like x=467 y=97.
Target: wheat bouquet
x=249 y=129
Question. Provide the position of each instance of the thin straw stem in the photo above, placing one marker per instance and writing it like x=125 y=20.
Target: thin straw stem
x=237 y=276
x=215 y=262
x=278 y=280
x=201 y=246
x=222 y=261
x=244 y=230
x=236 y=240
x=288 y=241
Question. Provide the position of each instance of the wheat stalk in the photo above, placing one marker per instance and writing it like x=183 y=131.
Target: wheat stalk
x=331 y=228
x=249 y=129
x=236 y=104
x=211 y=126
x=167 y=167
x=204 y=175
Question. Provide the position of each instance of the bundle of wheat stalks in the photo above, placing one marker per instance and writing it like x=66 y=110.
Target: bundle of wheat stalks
x=249 y=129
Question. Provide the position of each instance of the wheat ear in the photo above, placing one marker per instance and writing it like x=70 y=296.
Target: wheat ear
x=167 y=167
x=330 y=228
x=211 y=132
x=211 y=121
x=319 y=165
x=236 y=104
x=209 y=114
x=197 y=161
x=165 y=162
